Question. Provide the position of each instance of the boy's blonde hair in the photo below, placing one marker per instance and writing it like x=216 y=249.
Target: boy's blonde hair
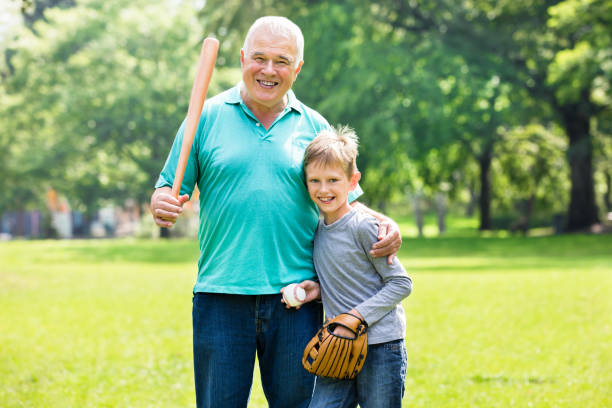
x=337 y=146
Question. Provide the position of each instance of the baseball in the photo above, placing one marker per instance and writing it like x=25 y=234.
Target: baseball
x=294 y=295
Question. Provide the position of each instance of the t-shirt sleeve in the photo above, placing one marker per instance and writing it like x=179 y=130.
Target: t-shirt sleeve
x=396 y=283
x=355 y=194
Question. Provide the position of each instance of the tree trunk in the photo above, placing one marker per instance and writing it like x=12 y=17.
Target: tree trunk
x=418 y=212
x=529 y=208
x=608 y=192
x=526 y=208
x=582 y=209
x=164 y=232
x=441 y=207
x=472 y=203
x=382 y=206
x=484 y=162
x=20 y=225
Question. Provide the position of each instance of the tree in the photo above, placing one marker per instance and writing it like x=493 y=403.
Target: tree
x=97 y=95
x=407 y=93
x=531 y=172
x=559 y=51
x=578 y=75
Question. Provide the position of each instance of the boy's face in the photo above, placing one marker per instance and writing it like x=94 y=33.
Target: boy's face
x=329 y=187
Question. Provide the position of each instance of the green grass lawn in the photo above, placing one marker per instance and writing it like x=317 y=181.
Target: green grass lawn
x=492 y=322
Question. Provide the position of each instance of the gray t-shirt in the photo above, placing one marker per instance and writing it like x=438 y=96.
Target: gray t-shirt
x=351 y=278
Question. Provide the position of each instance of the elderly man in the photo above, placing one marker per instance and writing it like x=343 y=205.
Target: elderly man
x=257 y=225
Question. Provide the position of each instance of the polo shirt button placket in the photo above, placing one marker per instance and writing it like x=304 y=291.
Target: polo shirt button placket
x=263 y=133
x=258 y=126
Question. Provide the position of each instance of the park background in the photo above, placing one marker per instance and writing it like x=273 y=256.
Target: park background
x=485 y=129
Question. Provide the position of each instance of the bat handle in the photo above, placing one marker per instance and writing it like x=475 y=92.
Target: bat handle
x=206 y=64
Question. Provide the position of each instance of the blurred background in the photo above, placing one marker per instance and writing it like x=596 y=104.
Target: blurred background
x=480 y=122
x=498 y=111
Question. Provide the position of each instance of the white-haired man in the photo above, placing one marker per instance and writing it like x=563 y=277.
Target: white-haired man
x=257 y=225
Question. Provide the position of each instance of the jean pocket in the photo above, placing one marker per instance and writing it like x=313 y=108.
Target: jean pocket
x=393 y=345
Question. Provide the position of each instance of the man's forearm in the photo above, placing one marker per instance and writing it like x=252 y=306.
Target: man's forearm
x=389 y=235
x=375 y=214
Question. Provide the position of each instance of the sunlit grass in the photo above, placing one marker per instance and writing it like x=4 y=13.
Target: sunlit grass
x=492 y=322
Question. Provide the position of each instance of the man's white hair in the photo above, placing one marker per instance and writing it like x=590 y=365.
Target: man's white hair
x=280 y=26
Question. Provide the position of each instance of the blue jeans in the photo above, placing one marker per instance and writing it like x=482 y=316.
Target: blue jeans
x=228 y=330
x=380 y=384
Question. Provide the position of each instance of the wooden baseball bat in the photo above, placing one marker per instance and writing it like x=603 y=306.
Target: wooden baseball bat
x=206 y=64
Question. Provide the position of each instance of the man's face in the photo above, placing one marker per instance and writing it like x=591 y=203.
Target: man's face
x=268 y=69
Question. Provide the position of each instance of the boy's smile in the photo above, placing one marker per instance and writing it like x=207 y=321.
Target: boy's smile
x=329 y=186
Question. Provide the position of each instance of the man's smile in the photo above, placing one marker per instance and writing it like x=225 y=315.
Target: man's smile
x=267 y=84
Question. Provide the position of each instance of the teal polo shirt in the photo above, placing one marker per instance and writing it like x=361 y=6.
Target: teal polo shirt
x=257 y=221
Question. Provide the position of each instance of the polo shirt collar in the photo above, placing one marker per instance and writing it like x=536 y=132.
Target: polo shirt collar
x=234 y=98
x=293 y=102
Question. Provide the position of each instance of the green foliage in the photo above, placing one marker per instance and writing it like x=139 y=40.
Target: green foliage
x=584 y=59
x=10 y=22
x=530 y=165
x=435 y=91
x=430 y=90
x=98 y=93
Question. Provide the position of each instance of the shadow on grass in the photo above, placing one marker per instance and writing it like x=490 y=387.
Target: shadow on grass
x=556 y=246
x=514 y=265
x=158 y=251
x=501 y=379
x=487 y=253
x=101 y=251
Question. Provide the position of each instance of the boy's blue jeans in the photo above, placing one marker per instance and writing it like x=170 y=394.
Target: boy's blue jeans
x=228 y=330
x=380 y=384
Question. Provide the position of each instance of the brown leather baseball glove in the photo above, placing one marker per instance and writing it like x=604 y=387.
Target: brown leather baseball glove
x=330 y=355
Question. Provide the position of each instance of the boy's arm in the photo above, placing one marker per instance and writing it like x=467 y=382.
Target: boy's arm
x=396 y=283
x=389 y=236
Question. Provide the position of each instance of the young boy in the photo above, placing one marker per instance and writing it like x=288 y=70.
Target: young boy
x=352 y=281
